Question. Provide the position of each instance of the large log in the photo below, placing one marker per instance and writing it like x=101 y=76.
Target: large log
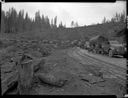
x=9 y=81
x=51 y=80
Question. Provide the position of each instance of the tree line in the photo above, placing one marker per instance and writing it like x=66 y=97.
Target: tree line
x=118 y=17
x=13 y=22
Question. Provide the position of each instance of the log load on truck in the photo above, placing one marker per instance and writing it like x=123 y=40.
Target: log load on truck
x=102 y=45
x=99 y=44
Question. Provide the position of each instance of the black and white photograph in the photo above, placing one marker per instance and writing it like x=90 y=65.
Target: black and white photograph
x=63 y=48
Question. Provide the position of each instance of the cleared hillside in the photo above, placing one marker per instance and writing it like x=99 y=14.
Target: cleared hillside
x=109 y=30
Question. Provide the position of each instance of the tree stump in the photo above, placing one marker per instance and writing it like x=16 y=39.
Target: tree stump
x=26 y=73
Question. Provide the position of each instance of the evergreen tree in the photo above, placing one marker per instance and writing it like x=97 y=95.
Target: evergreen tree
x=11 y=21
x=76 y=24
x=55 y=21
x=52 y=23
x=61 y=25
x=38 y=20
x=3 y=24
x=123 y=17
x=21 y=21
x=104 y=20
x=47 y=23
x=72 y=23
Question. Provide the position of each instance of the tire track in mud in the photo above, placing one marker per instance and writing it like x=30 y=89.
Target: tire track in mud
x=110 y=68
x=96 y=59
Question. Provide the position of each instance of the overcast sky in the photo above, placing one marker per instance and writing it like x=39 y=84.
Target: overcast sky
x=83 y=13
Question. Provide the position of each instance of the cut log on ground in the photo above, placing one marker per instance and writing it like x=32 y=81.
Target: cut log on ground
x=50 y=79
x=8 y=82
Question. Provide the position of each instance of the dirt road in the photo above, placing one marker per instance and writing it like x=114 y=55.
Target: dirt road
x=118 y=61
x=106 y=67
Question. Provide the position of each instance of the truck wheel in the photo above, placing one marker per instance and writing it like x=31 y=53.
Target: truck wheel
x=101 y=52
x=110 y=53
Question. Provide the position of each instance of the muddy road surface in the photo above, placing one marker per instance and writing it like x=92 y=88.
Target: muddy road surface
x=117 y=60
x=116 y=69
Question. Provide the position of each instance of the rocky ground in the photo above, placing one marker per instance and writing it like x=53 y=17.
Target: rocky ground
x=32 y=68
